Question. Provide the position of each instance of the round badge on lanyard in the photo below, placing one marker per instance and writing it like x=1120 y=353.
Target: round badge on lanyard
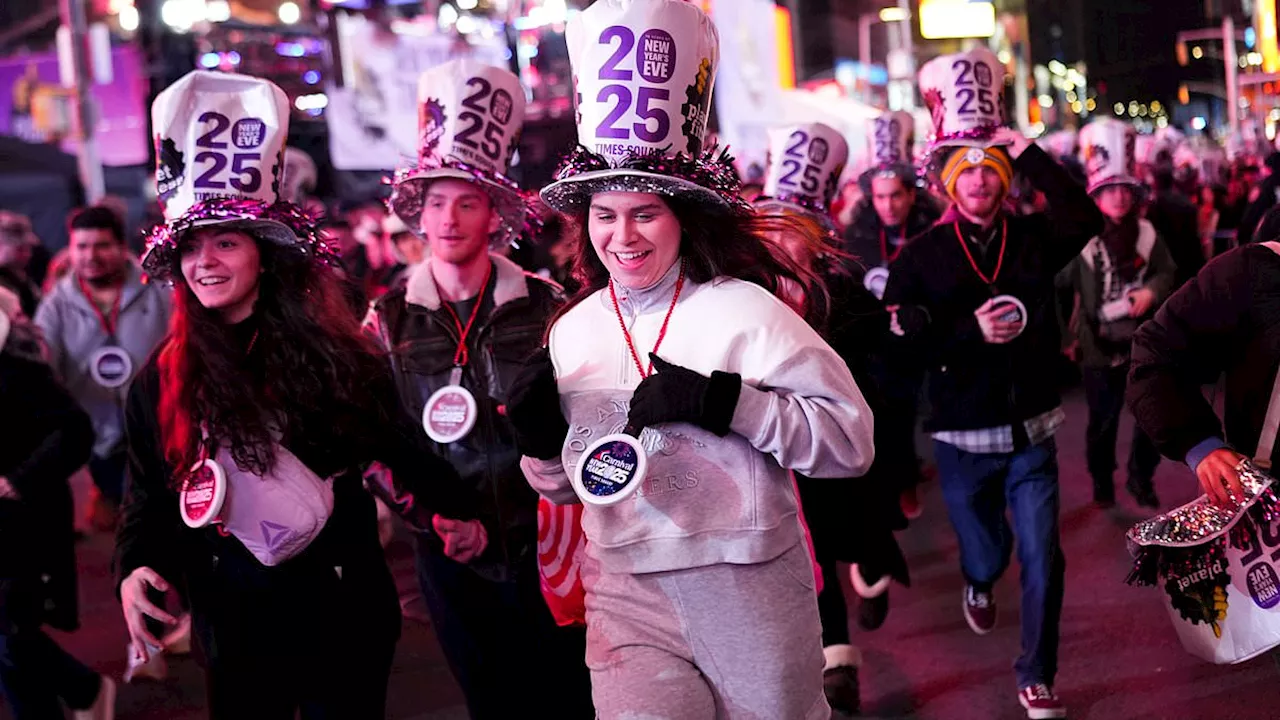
x=613 y=467
x=1013 y=310
x=450 y=413
x=111 y=367
x=203 y=493
x=875 y=281
x=611 y=470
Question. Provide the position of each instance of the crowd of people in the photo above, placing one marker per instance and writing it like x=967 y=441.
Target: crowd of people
x=642 y=427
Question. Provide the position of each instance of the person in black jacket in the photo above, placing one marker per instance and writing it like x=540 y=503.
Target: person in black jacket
x=462 y=326
x=849 y=522
x=1268 y=194
x=974 y=296
x=248 y=434
x=1223 y=320
x=47 y=437
x=1176 y=222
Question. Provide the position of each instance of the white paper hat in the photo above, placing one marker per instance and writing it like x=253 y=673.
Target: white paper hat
x=470 y=116
x=644 y=72
x=1060 y=143
x=1108 y=149
x=300 y=175
x=891 y=139
x=965 y=96
x=805 y=164
x=220 y=142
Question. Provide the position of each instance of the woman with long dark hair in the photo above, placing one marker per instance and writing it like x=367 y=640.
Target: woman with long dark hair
x=248 y=431
x=674 y=391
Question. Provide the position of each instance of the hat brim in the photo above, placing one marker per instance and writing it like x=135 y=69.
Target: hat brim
x=573 y=194
x=409 y=194
x=771 y=206
x=1116 y=180
x=966 y=143
x=159 y=261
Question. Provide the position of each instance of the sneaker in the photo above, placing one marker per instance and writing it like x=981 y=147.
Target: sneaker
x=104 y=707
x=979 y=610
x=909 y=500
x=1143 y=492
x=1041 y=703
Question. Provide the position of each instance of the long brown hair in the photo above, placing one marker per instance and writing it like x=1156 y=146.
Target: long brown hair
x=714 y=243
x=309 y=360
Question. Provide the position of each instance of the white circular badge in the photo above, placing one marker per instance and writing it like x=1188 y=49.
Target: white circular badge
x=875 y=280
x=1014 y=310
x=111 y=367
x=611 y=470
x=203 y=494
x=450 y=413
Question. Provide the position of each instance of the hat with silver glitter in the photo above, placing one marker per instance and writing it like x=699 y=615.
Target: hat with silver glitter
x=643 y=71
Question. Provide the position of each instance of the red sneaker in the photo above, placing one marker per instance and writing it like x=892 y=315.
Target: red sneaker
x=979 y=610
x=1041 y=703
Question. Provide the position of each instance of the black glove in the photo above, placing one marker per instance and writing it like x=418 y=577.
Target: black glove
x=675 y=394
x=533 y=407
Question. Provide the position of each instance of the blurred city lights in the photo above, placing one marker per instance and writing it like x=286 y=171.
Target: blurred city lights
x=218 y=10
x=289 y=13
x=128 y=18
x=311 y=77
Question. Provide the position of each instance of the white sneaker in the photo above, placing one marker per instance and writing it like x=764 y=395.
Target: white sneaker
x=104 y=707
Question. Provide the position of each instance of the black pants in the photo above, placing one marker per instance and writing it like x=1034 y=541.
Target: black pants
x=306 y=641
x=1104 y=390
x=503 y=646
x=108 y=475
x=35 y=672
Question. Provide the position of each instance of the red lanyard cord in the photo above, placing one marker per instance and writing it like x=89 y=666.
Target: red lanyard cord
x=662 y=333
x=884 y=247
x=1004 y=238
x=461 y=356
x=109 y=324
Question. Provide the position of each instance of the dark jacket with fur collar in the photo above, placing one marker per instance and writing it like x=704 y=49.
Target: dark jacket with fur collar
x=422 y=338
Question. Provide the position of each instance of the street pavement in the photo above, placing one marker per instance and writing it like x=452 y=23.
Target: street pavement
x=1120 y=658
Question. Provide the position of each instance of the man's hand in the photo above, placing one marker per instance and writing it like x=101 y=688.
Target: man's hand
x=1013 y=139
x=1219 y=479
x=464 y=540
x=995 y=330
x=7 y=490
x=1141 y=301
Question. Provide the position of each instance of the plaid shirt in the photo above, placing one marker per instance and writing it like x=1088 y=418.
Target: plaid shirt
x=999 y=440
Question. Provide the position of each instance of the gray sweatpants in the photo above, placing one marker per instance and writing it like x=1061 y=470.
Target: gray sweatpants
x=730 y=642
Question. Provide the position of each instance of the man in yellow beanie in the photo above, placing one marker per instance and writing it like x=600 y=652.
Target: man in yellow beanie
x=973 y=298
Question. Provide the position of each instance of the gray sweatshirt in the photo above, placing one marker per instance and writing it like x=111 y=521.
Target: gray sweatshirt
x=73 y=332
x=705 y=499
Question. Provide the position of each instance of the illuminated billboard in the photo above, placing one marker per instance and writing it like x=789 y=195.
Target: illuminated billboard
x=957 y=19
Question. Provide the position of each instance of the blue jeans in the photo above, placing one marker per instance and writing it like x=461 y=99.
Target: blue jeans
x=977 y=489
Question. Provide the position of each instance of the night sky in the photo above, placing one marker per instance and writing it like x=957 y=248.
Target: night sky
x=1129 y=44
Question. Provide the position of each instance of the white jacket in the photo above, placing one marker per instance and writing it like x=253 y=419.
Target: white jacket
x=705 y=499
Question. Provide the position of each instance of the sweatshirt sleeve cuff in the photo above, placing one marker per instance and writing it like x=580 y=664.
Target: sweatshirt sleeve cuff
x=1197 y=454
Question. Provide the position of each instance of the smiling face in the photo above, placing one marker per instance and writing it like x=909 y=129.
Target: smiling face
x=458 y=220
x=979 y=192
x=635 y=235
x=222 y=267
